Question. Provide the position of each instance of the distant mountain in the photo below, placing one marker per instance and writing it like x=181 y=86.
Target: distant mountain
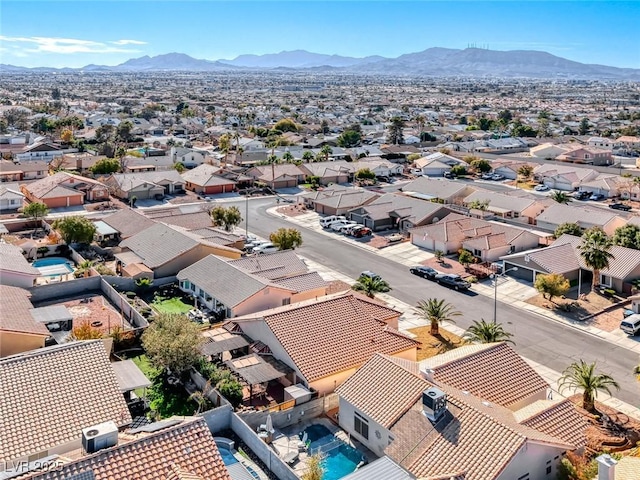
x=298 y=59
x=470 y=62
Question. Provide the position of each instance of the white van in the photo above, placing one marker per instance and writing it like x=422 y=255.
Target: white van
x=631 y=324
x=327 y=221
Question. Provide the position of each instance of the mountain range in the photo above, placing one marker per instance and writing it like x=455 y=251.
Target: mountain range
x=433 y=62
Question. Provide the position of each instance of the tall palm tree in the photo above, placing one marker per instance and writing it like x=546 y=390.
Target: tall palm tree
x=487 y=332
x=583 y=375
x=594 y=250
x=371 y=285
x=560 y=197
x=437 y=311
x=326 y=151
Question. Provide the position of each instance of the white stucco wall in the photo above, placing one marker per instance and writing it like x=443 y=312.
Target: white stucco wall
x=532 y=459
x=376 y=442
x=16 y=279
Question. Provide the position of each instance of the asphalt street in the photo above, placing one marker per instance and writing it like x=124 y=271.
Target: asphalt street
x=538 y=338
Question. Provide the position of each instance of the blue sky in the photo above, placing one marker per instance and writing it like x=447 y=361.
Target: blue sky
x=76 y=33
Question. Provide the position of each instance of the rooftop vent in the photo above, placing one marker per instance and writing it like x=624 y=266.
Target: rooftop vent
x=434 y=403
x=97 y=437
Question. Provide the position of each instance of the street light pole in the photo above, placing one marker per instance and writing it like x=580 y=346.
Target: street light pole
x=496 y=276
x=246 y=216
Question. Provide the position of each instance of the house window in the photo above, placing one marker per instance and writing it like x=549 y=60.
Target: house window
x=286 y=301
x=477 y=253
x=361 y=425
x=185 y=284
x=605 y=280
x=524 y=477
x=516 y=215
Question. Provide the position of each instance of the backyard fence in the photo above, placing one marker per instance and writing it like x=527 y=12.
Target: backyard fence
x=128 y=311
x=55 y=291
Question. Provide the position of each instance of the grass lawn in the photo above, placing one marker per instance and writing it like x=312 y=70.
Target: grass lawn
x=172 y=305
x=430 y=345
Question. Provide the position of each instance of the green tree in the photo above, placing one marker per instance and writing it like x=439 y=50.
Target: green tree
x=287 y=157
x=582 y=375
x=458 y=170
x=487 y=332
x=75 y=229
x=179 y=167
x=505 y=116
x=521 y=130
x=371 y=285
x=395 y=134
x=231 y=389
x=437 y=311
x=481 y=165
x=172 y=342
x=83 y=268
x=584 y=126
x=569 y=228
x=226 y=217
x=286 y=238
x=349 y=139
x=144 y=284
x=200 y=397
x=36 y=211
x=286 y=125
x=465 y=257
x=560 y=197
x=365 y=174
x=105 y=166
x=314 y=469
x=627 y=236
x=478 y=205
x=308 y=156
x=325 y=151
x=552 y=285
x=594 y=250
x=525 y=171
x=66 y=136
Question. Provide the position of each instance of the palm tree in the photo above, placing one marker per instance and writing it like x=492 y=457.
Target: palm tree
x=326 y=151
x=437 y=311
x=371 y=285
x=487 y=332
x=582 y=375
x=594 y=250
x=560 y=197
x=84 y=267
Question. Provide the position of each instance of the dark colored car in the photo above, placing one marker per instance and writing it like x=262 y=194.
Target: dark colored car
x=452 y=281
x=620 y=206
x=581 y=195
x=449 y=175
x=424 y=272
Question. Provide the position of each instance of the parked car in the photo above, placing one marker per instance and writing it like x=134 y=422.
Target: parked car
x=497 y=176
x=344 y=229
x=452 y=281
x=581 y=195
x=255 y=243
x=486 y=176
x=361 y=232
x=383 y=179
x=370 y=274
x=424 y=272
x=449 y=175
x=597 y=197
x=620 y=206
x=395 y=237
x=327 y=221
x=631 y=325
x=265 y=248
x=541 y=188
x=337 y=226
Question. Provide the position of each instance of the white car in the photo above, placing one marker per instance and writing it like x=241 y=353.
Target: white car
x=346 y=228
x=336 y=226
x=252 y=246
x=541 y=188
x=265 y=248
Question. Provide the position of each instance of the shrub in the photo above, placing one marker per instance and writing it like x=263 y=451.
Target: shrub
x=131 y=294
x=231 y=389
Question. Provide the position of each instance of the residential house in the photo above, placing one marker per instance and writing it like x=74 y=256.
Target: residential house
x=379 y=166
x=628 y=142
x=128 y=222
x=11 y=198
x=189 y=217
x=18 y=172
x=229 y=290
x=144 y=185
x=325 y=341
x=65 y=189
x=508 y=168
x=204 y=179
x=214 y=234
x=15 y=270
x=563 y=257
x=282 y=175
x=44 y=151
x=330 y=172
x=50 y=395
x=165 y=251
x=435 y=430
x=391 y=211
x=273 y=266
x=560 y=177
x=173 y=449
x=549 y=151
x=437 y=164
x=504 y=205
x=601 y=142
x=337 y=200
x=610 y=186
x=487 y=241
x=80 y=162
x=438 y=190
x=588 y=155
x=188 y=157
x=557 y=214
x=19 y=332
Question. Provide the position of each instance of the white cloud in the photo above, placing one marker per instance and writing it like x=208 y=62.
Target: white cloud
x=29 y=45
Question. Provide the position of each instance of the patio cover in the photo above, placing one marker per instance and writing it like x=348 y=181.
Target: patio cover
x=104 y=229
x=51 y=314
x=129 y=376
x=255 y=369
x=219 y=340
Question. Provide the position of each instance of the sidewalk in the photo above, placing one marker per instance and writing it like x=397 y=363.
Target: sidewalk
x=411 y=319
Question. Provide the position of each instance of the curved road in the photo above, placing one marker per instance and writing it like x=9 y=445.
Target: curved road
x=538 y=338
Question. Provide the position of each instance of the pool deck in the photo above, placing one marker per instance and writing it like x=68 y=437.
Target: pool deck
x=286 y=441
x=246 y=462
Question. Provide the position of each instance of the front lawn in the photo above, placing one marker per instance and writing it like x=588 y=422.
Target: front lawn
x=433 y=345
x=172 y=305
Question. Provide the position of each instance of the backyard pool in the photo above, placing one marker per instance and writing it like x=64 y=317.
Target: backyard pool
x=53 y=266
x=340 y=458
x=227 y=457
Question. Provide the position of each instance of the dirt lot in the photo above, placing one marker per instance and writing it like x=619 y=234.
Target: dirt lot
x=430 y=345
x=593 y=302
x=292 y=210
x=97 y=311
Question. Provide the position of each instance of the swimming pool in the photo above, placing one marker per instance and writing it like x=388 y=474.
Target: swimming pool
x=53 y=266
x=227 y=457
x=340 y=459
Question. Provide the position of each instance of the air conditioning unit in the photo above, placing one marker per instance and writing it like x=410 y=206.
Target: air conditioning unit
x=434 y=403
x=98 y=437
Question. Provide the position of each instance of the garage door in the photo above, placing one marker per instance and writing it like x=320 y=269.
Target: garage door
x=522 y=273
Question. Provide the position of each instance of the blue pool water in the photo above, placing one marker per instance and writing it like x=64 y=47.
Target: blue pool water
x=53 y=266
x=340 y=460
x=227 y=456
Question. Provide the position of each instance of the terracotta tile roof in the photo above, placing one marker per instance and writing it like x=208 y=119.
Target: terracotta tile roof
x=552 y=259
x=303 y=282
x=185 y=451
x=47 y=396
x=557 y=418
x=333 y=334
x=15 y=315
x=495 y=373
x=392 y=398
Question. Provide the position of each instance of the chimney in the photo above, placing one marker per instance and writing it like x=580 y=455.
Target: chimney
x=434 y=404
x=606 y=467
